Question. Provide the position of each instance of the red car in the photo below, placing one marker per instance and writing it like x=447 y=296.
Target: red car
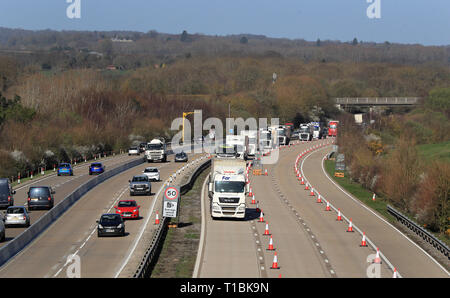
x=127 y=209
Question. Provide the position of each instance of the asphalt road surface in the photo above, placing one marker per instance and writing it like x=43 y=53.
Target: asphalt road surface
x=74 y=233
x=308 y=240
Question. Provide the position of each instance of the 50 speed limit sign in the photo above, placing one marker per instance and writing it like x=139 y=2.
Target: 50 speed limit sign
x=171 y=193
x=171 y=201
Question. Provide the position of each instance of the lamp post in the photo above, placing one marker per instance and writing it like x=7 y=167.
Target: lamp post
x=184 y=116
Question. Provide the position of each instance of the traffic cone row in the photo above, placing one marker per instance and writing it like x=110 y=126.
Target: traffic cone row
x=377 y=259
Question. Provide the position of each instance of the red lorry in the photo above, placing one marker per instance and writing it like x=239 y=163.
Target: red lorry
x=332 y=128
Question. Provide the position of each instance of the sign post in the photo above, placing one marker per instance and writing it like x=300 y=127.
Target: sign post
x=171 y=203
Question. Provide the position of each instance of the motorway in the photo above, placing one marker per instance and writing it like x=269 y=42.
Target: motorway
x=74 y=233
x=308 y=240
x=63 y=186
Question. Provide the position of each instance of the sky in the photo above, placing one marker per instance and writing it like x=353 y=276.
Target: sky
x=424 y=22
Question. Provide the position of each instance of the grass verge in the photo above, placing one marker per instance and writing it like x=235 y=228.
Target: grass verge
x=179 y=251
x=359 y=192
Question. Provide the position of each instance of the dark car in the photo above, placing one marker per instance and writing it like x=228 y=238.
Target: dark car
x=295 y=135
x=96 y=168
x=65 y=169
x=324 y=132
x=142 y=147
x=181 y=157
x=40 y=197
x=110 y=224
x=6 y=193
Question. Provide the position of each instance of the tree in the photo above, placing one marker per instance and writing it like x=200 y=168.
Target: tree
x=184 y=36
x=243 y=40
x=318 y=42
x=106 y=47
x=439 y=100
x=355 y=41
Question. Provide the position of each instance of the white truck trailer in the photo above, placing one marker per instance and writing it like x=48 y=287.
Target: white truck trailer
x=265 y=140
x=227 y=188
x=252 y=141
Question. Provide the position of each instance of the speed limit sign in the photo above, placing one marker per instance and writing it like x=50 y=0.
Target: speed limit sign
x=171 y=193
x=171 y=201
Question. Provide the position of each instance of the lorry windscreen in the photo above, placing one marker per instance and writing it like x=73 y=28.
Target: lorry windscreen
x=229 y=186
x=155 y=147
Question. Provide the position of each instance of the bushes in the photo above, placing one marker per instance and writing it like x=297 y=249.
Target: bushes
x=400 y=174
x=432 y=202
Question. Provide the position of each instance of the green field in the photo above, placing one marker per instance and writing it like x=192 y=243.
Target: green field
x=440 y=151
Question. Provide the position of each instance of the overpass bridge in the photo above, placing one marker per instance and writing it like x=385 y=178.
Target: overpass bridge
x=376 y=101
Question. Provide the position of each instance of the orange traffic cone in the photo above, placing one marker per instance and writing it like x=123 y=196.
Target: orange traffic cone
x=251 y=192
x=157 y=218
x=377 y=259
x=319 y=200
x=395 y=273
x=266 y=231
x=265 y=172
x=311 y=194
x=261 y=217
x=350 y=226
x=275 y=262
x=328 y=207
x=271 y=244
x=363 y=241
x=373 y=197
x=253 y=200
x=306 y=186
x=339 y=217
x=303 y=182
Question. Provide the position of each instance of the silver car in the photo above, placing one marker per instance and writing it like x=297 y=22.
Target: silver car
x=134 y=151
x=140 y=185
x=152 y=173
x=17 y=216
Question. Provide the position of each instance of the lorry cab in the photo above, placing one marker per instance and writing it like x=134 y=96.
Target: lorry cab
x=227 y=188
x=332 y=128
x=156 y=150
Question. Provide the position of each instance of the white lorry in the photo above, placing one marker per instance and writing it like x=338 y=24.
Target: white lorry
x=227 y=188
x=317 y=130
x=284 y=134
x=305 y=133
x=265 y=140
x=241 y=143
x=156 y=150
x=252 y=141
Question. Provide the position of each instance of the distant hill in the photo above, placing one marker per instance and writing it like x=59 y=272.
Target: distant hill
x=156 y=44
